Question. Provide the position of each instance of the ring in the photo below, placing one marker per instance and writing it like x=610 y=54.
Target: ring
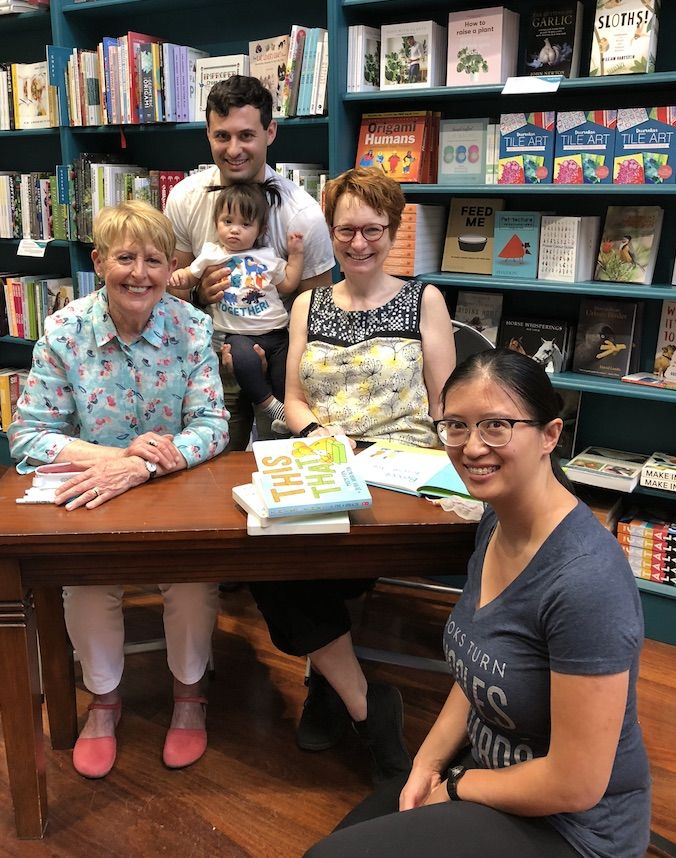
x=152 y=442
x=96 y=492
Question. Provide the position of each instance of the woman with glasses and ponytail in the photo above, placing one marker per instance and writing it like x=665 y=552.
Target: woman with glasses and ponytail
x=368 y=357
x=537 y=750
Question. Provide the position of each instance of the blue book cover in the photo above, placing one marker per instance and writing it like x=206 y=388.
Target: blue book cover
x=526 y=148
x=108 y=42
x=299 y=476
x=584 y=147
x=307 y=72
x=516 y=239
x=645 y=146
x=57 y=64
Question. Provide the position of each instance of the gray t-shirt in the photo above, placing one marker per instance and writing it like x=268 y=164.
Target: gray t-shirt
x=574 y=609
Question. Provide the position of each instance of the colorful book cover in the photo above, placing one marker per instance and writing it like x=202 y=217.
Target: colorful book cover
x=526 y=148
x=629 y=244
x=553 y=33
x=30 y=82
x=267 y=62
x=540 y=339
x=134 y=41
x=293 y=68
x=409 y=55
x=665 y=351
x=469 y=235
x=516 y=240
x=624 y=39
x=393 y=142
x=584 y=147
x=606 y=337
x=611 y=469
x=300 y=476
x=480 y=310
x=258 y=524
x=645 y=146
x=481 y=46
x=462 y=151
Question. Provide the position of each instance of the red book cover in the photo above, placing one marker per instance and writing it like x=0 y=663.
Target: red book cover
x=168 y=178
x=17 y=293
x=395 y=143
x=134 y=42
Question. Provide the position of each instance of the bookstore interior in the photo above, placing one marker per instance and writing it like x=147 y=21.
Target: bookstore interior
x=535 y=144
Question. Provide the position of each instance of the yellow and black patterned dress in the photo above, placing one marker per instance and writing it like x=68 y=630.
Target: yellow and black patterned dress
x=362 y=370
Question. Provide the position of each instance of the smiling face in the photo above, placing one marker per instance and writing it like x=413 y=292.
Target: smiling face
x=239 y=143
x=497 y=474
x=136 y=275
x=359 y=257
x=236 y=232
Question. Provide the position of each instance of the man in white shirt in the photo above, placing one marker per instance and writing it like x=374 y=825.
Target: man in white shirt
x=239 y=129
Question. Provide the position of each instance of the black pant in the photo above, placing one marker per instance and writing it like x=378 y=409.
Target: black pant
x=458 y=829
x=303 y=616
x=256 y=385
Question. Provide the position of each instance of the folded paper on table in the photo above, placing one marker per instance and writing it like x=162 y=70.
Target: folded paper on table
x=409 y=469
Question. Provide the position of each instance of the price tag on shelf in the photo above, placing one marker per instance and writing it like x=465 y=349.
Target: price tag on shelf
x=523 y=85
x=32 y=247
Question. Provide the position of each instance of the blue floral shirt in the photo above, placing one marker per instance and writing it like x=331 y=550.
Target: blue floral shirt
x=87 y=383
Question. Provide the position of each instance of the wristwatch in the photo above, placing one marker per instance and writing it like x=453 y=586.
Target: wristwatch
x=305 y=431
x=452 y=782
x=151 y=467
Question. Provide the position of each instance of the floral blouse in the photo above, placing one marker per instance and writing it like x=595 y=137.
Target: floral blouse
x=87 y=383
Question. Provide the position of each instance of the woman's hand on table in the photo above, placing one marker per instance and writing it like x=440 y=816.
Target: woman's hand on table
x=104 y=480
x=156 y=448
x=329 y=432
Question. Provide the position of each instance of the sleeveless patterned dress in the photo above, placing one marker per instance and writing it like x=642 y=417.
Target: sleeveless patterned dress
x=362 y=370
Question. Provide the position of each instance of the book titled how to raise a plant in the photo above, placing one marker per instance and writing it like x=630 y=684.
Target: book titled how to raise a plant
x=300 y=476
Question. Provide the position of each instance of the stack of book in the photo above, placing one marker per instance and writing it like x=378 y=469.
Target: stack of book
x=650 y=547
x=659 y=472
x=404 y=145
x=12 y=382
x=29 y=299
x=311 y=177
x=417 y=247
x=363 y=58
x=608 y=469
x=302 y=485
x=306 y=76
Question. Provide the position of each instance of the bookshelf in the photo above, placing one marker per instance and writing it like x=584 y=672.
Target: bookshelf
x=609 y=408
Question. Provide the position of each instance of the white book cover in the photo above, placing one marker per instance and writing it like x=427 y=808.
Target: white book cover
x=624 y=38
x=267 y=62
x=568 y=247
x=482 y=46
x=30 y=95
x=410 y=55
x=364 y=59
x=462 y=151
x=210 y=70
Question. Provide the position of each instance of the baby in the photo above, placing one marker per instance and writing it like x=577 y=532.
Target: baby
x=251 y=310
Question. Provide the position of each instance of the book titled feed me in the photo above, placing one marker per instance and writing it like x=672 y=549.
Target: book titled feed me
x=645 y=146
x=301 y=476
x=515 y=244
x=624 y=40
x=584 y=147
x=469 y=235
x=526 y=148
x=553 y=33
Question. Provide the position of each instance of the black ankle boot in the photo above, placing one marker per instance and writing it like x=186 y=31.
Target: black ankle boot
x=382 y=732
x=324 y=719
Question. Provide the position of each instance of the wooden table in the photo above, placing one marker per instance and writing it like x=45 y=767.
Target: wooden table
x=177 y=528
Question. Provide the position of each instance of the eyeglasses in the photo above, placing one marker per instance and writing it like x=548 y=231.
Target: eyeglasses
x=493 y=431
x=370 y=232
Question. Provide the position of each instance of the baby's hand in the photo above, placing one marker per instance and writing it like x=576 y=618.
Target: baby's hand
x=181 y=279
x=294 y=243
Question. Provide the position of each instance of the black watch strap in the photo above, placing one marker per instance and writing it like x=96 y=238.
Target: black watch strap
x=454 y=776
x=305 y=431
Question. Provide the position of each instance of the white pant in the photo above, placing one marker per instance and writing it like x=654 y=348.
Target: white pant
x=95 y=625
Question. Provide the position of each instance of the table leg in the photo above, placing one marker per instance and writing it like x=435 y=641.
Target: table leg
x=58 y=675
x=20 y=704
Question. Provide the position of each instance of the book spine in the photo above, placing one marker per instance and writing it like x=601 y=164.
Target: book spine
x=316 y=508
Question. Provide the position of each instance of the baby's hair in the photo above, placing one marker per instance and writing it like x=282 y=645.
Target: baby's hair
x=251 y=199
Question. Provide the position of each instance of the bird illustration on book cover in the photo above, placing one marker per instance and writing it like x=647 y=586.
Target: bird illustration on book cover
x=515 y=250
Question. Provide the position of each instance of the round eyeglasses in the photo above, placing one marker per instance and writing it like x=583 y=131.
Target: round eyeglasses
x=370 y=232
x=493 y=431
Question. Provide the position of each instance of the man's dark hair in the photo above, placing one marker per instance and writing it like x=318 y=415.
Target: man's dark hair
x=240 y=91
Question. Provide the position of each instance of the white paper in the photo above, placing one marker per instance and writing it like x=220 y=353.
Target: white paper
x=32 y=247
x=536 y=83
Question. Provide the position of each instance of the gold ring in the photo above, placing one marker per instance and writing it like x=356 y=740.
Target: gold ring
x=96 y=492
x=152 y=442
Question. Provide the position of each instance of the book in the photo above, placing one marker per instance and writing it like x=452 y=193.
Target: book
x=267 y=62
x=301 y=476
x=568 y=247
x=480 y=310
x=553 y=34
x=526 y=148
x=417 y=246
x=412 y=55
x=293 y=69
x=609 y=469
x=516 y=240
x=645 y=146
x=607 y=337
x=462 y=151
x=363 y=58
x=57 y=63
x=468 y=246
x=624 y=37
x=665 y=350
x=9 y=395
x=584 y=147
x=394 y=142
x=258 y=524
x=543 y=340
x=649 y=379
x=412 y=470
x=482 y=46
x=659 y=472
x=209 y=70
x=30 y=88
x=629 y=244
